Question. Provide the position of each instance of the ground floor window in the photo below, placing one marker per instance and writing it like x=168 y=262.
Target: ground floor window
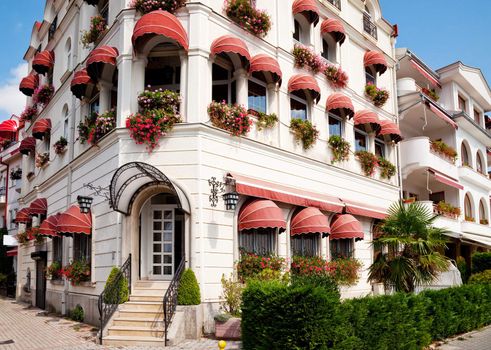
x=259 y=241
x=58 y=249
x=342 y=248
x=305 y=245
x=82 y=247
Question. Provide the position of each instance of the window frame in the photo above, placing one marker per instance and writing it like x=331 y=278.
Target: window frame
x=383 y=146
x=301 y=100
x=339 y=119
x=468 y=203
x=273 y=232
x=462 y=100
x=365 y=134
x=82 y=247
x=230 y=78
x=341 y=250
x=265 y=86
x=68 y=52
x=314 y=237
x=371 y=75
x=57 y=245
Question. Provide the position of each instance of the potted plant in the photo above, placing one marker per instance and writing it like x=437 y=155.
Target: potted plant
x=378 y=96
x=60 y=145
x=77 y=271
x=336 y=77
x=232 y=118
x=34 y=235
x=340 y=148
x=306 y=58
x=387 y=169
x=95 y=126
x=368 y=160
x=440 y=147
x=227 y=323
x=53 y=271
x=43 y=94
x=29 y=113
x=263 y=120
x=42 y=159
x=484 y=221
x=146 y=6
x=431 y=93
x=252 y=265
x=22 y=238
x=469 y=218
x=304 y=132
x=98 y=26
x=248 y=17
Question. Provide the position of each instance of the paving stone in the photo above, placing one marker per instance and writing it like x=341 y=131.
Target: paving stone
x=478 y=340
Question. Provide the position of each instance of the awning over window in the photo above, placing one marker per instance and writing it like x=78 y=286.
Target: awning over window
x=367 y=117
x=41 y=127
x=39 y=207
x=341 y=103
x=335 y=28
x=377 y=60
x=43 y=61
x=73 y=221
x=368 y=211
x=346 y=226
x=423 y=72
x=12 y=252
x=304 y=82
x=442 y=115
x=100 y=57
x=391 y=130
x=307 y=8
x=268 y=66
x=80 y=83
x=309 y=220
x=8 y=128
x=261 y=213
x=263 y=189
x=49 y=227
x=27 y=145
x=23 y=216
x=29 y=84
x=160 y=23
x=231 y=45
x=444 y=179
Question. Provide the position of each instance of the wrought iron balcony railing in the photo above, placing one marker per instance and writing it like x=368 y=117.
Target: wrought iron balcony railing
x=368 y=26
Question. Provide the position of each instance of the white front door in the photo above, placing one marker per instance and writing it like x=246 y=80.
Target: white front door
x=161 y=257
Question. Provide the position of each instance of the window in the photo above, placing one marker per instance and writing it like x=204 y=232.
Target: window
x=370 y=75
x=65 y=122
x=82 y=247
x=462 y=103
x=335 y=125
x=163 y=73
x=298 y=31
x=47 y=142
x=224 y=87
x=482 y=212
x=379 y=147
x=477 y=117
x=341 y=248
x=305 y=245
x=325 y=49
x=68 y=54
x=259 y=241
x=329 y=46
x=464 y=155
x=94 y=105
x=437 y=197
x=467 y=206
x=52 y=28
x=58 y=249
x=368 y=25
x=361 y=142
x=479 y=164
x=104 y=10
x=257 y=96
x=298 y=106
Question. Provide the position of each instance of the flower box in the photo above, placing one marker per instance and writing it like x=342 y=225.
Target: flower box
x=248 y=17
x=229 y=329
x=232 y=118
x=304 y=132
x=378 y=96
x=98 y=26
x=146 y=6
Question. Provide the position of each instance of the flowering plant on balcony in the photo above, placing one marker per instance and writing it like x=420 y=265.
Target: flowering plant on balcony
x=368 y=160
x=16 y=174
x=42 y=159
x=77 y=271
x=60 y=145
x=159 y=99
x=443 y=149
x=29 y=113
x=95 y=126
x=378 y=96
x=344 y=271
x=251 y=265
x=264 y=121
x=248 y=17
x=304 y=132
x=387 y=169
x=431 y=93
x=306 y=58
x=146 y=6
x=469 y=219
x=22 y=238
x=34 y=235
x=98 y=26
x=447 y=209
x=5 y=143
x=340 y=148
x=43 y=94
x=232 y=118
x=336 y=77
x=484 y=222
x=53 y=271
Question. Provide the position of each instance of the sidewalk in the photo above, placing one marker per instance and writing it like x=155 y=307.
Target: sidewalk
x=477 y=340
x=28 y=328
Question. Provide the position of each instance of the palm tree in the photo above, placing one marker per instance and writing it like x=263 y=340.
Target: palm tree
x=410 y=248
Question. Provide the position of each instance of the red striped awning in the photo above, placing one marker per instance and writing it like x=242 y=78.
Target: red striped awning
x=73 y=221
x=229 y=44
x=341 y=103
x=366 y=210
x=263 y=189
x=304 y=82
x=80 y=82
x=391 y=130
x=309 y=220
x=160 y=23
x=27 y=145
x=377 y=60
x=335 y=28
x=39 y=207
x=29 y=84
x=346 y=226
x=268 y=66
x=23 y=216
x=444 y=179
x=100 y=57
x=49 y=227
x=43 y=61
x=426 y=74
x=367 y=117
x=442 y=115
x=12 y=252
x=8 y=128
x=261 y=213
x=41 y=127
x=307 y=8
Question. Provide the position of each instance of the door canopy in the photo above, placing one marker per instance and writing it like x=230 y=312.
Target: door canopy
x=132 y=178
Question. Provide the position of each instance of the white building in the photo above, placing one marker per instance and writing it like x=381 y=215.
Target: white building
x=162 y=208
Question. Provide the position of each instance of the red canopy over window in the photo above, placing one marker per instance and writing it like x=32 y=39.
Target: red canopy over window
x=23 y=216
x=341 y=103
x=268 y=66
x=261 y=213
x=335 y=28
x=308 y=8
x=362 y=209
x=391 y=130
x=29 y=84
x=377 y=60
x=159 y=23
x=43 y=61
x=73 y=221
x=27 y=145
x=346 y=226
x=367 y=117
x=229 y=44
x=41 y=127
x=307 y=83
x=39 y=207
x=12 y=252
x=8 y=128
x=80 y=82
x=309 y=220
x=49 y=227
x=98 y=58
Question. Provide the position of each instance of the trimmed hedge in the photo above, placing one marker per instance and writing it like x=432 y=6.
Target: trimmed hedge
x=301 y=316
x=481 y=262
x=481 y=277
x=188 y=292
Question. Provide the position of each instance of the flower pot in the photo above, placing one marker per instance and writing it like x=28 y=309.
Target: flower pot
x=229 y=329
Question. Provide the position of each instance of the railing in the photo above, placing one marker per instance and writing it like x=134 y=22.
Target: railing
x=110 y=297
x=335 y=3
x=170 y=298
x=368 y=26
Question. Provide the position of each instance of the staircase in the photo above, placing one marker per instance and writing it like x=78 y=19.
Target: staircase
x=139 y=321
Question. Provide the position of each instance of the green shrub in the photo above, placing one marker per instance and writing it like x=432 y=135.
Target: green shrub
x=463 y=268
x=324 y=281
x=188 y=291
x=232 y=295
x=481 y=262
x=77 y=314
x=116 y=293
x=481 y=278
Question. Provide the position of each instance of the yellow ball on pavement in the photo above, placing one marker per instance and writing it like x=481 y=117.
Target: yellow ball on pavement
x=222 y=344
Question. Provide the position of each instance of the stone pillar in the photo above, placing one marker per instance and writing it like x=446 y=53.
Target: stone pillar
x=184 y=83
x=272 y=98
x=104 y=96
x=242 y=85
x=138 y=81
x=125 y=89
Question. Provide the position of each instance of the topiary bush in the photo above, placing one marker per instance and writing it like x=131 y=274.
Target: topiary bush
x=116 y=289
x=188 y=292
x=481 y=262
x=77 y=314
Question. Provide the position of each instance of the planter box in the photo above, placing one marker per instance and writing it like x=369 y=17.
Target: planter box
x=228 y=330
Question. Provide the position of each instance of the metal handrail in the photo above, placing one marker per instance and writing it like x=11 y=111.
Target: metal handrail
x=110 y=297
x=368 y=26
x=169 y=302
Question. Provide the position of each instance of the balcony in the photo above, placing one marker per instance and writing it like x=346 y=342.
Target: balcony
x=476 y=229
x=451 y=224
x=470 y=175
x=368 y=26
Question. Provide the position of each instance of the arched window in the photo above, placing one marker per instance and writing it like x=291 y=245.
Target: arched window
x=68 y=55
x=483 y=218
x=464 y=155
x=468 y=208
x=66 y=125
x=479 y=163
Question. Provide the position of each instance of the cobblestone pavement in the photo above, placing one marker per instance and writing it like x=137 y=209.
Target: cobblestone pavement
x=478 y=340
x=28 y=328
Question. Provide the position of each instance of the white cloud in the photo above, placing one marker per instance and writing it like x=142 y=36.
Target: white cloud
x=12 y=101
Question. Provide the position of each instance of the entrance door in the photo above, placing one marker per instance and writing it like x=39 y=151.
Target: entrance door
x=162 y=225
x=40 y=283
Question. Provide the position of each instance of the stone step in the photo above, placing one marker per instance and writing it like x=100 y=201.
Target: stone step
x=162 y=285
x=140 y=314
x=151 y=298
x=142 y=306
x=121 y=340
x=152 y=322
x=131 y=331
x=148 y=292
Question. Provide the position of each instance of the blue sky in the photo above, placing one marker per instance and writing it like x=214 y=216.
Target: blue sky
x=438 y=31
